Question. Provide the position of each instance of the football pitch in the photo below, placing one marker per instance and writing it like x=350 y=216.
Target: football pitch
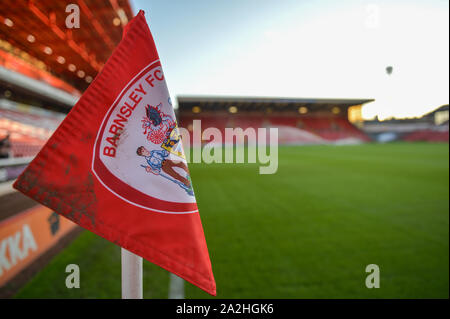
x=308 y=231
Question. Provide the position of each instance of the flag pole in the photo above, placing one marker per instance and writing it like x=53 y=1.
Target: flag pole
x=131 y=275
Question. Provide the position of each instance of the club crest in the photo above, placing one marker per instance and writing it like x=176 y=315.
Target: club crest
x=161 y=128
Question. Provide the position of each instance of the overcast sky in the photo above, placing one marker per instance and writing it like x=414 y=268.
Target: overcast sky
x=306 y=49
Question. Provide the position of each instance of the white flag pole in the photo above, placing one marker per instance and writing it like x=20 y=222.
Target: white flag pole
x=131 y=275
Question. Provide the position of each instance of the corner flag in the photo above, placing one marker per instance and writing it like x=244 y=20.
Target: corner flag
x=116 y=165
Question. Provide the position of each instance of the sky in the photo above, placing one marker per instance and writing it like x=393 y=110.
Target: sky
x=317 y=49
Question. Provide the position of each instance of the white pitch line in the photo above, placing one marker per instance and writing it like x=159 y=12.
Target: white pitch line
x=176 y=287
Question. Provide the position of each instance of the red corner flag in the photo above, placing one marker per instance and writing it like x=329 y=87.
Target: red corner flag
x=116 y=165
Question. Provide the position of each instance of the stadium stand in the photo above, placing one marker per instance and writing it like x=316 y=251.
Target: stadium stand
x=427 y=136
x=27 y=127
x=432 y=127
x=299 y=121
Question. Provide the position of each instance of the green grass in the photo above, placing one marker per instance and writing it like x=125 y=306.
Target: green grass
x=307 y=231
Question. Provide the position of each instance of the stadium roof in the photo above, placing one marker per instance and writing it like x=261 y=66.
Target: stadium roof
x=38 y=30
x=256 y=103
